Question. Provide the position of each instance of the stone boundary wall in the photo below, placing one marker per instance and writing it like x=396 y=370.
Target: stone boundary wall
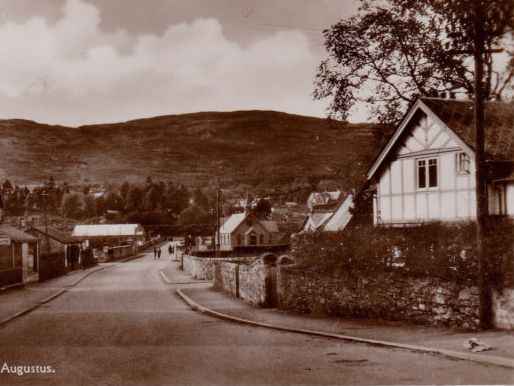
x=388 y=296
x=202 y=268
x=243 y=280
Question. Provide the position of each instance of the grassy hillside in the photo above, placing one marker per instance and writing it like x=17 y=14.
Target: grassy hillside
x=254 y=147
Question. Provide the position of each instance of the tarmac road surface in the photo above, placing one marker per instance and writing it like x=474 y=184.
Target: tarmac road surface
x=125 y=326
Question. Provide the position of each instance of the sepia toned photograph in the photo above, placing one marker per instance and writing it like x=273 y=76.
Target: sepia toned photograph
x=256 y=192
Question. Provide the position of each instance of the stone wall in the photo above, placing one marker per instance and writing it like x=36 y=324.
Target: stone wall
x=201 y=268
x=244 y=280
x=252 y=283
x=389 y=297
x=226 y=277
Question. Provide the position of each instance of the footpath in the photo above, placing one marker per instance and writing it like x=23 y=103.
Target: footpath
x=395 y=335
x=16 y=302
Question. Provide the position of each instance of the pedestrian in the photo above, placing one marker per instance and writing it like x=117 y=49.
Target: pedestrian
x=154 y=253
x=170 y=249
x=159 y=253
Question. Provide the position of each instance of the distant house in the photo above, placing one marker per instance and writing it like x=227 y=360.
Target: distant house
x=333 y=216
x=19 y=259
x=245 y=230
x=52 y=240
x=426 y=172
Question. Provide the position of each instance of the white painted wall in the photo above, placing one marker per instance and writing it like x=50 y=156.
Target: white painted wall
x=398 y=198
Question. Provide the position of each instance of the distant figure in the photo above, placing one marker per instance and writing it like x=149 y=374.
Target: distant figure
x=170 y=250
x=154 y=253
x=159 y=253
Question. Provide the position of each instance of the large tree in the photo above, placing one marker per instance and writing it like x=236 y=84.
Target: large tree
x=396 y=50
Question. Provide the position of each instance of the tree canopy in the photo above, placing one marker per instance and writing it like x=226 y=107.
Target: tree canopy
x=393 y=51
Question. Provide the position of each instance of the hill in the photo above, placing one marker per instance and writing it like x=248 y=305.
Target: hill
x=250 y=147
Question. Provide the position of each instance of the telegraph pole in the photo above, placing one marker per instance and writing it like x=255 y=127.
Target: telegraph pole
x=484 y=283
x=217 y=242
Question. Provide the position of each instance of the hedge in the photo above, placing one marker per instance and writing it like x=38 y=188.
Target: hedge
x=447 y=251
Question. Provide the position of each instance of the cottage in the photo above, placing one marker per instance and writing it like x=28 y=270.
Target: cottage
x=426 y=171
x=245 y=230
x=19 y=261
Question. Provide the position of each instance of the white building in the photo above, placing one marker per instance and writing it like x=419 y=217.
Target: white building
x=426 y=171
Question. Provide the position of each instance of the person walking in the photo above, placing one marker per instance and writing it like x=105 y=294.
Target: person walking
x=159 y=253
x=154 y=253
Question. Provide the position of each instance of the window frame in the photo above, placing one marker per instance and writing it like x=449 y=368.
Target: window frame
x=426 y=166
x=466 y=159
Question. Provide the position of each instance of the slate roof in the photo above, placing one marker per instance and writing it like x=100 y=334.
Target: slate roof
x=16 y=234
x=499 y=124
x=270 y=226
x=232 y=222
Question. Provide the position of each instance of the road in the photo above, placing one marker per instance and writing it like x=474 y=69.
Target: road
x=125 y=326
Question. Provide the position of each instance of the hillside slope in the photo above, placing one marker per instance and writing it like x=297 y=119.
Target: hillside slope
x=252 y=147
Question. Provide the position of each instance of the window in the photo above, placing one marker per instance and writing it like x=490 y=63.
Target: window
x=463 y=163
x=427 y=173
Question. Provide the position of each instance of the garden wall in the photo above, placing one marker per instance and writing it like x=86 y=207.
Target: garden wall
x=247 y=281
x=388 y=296
x=202 y=268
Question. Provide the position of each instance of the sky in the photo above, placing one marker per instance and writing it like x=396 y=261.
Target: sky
x=77 y=62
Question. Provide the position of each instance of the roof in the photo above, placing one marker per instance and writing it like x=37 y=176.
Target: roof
x=270 y=226
x=499 y=124
x=458 y=116
x=232 y=222
x=107 y=230
x=16 y=234
x=63 y=237
x=341 y=216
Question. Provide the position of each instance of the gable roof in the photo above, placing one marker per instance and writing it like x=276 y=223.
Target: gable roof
x=232 y=222
x=269 y=226
x=499 y=124
x=106 y=230
x=458 y=116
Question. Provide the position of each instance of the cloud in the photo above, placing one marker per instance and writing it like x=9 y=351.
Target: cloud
x=72 y=72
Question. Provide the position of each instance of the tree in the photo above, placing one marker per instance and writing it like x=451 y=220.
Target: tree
x=263 y=209
x=135 y=199
x=113 y=201
x=200 y=199
x=124 y=191
x=72 y=206
x=396 y=50
x=193 y=215
x=90 y=206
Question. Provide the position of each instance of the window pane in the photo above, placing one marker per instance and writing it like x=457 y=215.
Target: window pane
x=432 y=173
x=422 y=178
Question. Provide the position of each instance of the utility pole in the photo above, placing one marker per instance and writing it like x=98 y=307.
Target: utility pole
x=217 y=242
x=484 y=283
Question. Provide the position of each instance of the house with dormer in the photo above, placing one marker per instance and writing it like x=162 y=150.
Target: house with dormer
x=426 y=171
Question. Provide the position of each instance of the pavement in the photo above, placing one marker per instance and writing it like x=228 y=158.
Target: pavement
x=446 y=342
x=126 y=326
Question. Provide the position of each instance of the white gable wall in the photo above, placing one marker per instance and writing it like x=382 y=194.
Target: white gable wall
x=400 y=200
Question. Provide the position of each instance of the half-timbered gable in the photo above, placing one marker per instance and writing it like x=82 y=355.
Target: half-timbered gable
x=426 y=172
